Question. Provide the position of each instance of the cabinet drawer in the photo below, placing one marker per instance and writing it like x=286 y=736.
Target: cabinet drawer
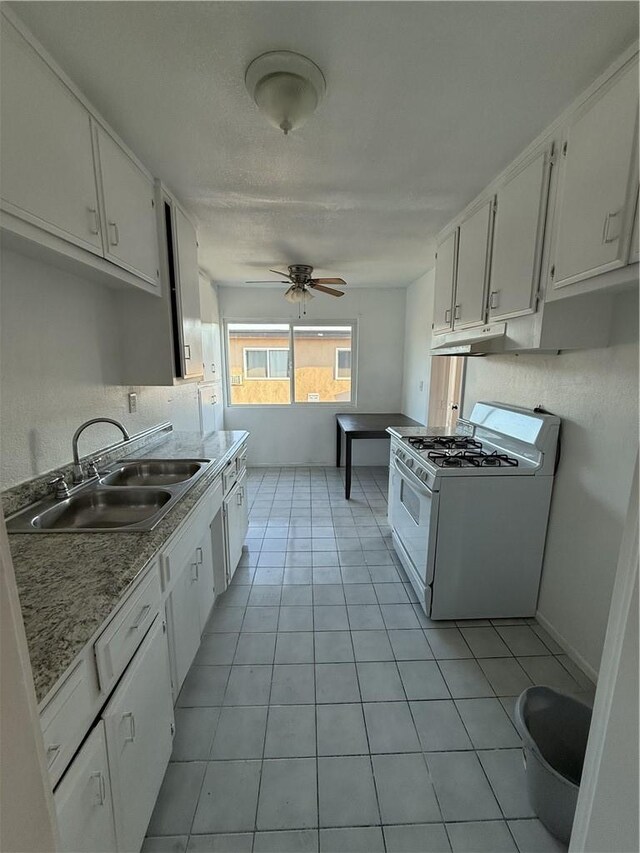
x=65 y=718
x=116 y=645
x=241 y=460
x=229 y=476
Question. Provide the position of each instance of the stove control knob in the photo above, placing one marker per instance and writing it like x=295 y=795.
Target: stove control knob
x=409 y=463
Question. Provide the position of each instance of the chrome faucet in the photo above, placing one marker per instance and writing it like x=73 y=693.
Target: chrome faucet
x=78 y=473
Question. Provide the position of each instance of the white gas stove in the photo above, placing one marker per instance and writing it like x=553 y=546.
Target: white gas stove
x=469 y=511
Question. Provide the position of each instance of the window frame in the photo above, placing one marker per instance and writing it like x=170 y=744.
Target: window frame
x=248 y=378
x=336 y=366
x=291 y=323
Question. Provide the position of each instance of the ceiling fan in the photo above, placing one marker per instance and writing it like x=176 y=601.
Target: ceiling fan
x=302 y=284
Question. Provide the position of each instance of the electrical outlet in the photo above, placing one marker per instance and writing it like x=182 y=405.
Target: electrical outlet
x=133 y=403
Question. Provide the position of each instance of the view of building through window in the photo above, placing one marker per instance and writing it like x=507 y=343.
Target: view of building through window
x=277 y=363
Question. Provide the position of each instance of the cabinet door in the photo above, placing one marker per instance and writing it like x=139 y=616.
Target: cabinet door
x=473 y=254
x=131 y=239
x=236 y=524
x=183 y=612
x=83 y=800
x=595 y=198
x=634 y=248
x=189 y=293
x=139 y=727
x=210 y=330
x=204 y=561
x=517 y=240
x=48 y=176
x=444 y=283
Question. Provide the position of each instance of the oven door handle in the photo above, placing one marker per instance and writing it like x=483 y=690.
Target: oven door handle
x=408 y=475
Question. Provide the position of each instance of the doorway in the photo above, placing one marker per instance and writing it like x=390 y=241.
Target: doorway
x=445 y=391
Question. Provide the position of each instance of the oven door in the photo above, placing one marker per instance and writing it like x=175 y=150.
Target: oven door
x=413 y=509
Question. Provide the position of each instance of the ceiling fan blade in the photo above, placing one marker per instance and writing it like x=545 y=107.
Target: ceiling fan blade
x=324 y=289
x=339 y=281
x=269 y=281
x=277 y=272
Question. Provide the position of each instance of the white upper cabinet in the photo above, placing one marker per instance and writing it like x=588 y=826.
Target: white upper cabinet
x=188 y=288
x=130 y=227
x=139 y=728
x=211 y=349
x=444 y=283
x=597 y=183
x=83 y=800
x=518 y=232
x=474 y=244
x=45 y=143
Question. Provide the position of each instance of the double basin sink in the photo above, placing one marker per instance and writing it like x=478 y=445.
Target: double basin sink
x=131 y=496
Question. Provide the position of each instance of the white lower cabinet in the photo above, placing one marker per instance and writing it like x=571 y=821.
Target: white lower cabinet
x=83 y=800
x=139 y=727
x=183 y=623
x=236 y=523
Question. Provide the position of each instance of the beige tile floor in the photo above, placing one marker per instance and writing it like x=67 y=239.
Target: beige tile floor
x=325 y=712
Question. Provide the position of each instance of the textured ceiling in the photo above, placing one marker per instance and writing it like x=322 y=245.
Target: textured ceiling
x=426 y=102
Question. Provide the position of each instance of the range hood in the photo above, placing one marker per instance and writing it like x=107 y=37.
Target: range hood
x=477 y=341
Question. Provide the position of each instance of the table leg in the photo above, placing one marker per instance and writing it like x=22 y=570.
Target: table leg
x=338 y=444
x=347 y=482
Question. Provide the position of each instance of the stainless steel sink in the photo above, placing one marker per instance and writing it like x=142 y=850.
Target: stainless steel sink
x=103 y=509
x=154 y=472
x=134 y=495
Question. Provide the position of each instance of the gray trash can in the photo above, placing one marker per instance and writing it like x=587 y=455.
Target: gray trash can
x=554 y=728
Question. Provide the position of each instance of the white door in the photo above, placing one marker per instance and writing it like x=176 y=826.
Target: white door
x=183 y=621
x=204 y=560
x=236 y=523
x=139 y=728
x=444 y=283
x=518 y=232
x=211 y=407
x=186 y=246
x=46 y=155
x=473 y=256
x=83 y=800
x=594 y=207
x=130 y=227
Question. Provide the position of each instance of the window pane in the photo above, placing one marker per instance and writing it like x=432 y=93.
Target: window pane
x=343 y=364
x=256 y=363
x=316 y=367
x=279 y=363
x=256 y=352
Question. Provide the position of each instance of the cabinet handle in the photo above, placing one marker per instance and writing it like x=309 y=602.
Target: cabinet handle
x=141 y=617
x=95 y=228
x=213 y=367
x=194 y=575
x=199 y=556
x=132 y=727
x=605 y=230
x=187 y=352
x=214 y=399
x=116 y=234
x=52 y=753
x=101 y=793
x=456 y=313
x=494 y=299
x=447 y=315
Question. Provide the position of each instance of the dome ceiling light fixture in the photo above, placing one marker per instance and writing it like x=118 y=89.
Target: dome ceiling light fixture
x=286 y=86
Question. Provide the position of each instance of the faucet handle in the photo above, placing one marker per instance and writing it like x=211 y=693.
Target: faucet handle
x=59 y=486
x=92 y=467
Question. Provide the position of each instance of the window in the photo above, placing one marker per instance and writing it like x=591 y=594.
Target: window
x=343 y=363
x=284 y=363
x=269 y=363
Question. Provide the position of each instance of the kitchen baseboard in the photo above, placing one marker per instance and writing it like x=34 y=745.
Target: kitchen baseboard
x=571 y=652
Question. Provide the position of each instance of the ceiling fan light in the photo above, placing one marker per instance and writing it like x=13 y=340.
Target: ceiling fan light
x=286 y=86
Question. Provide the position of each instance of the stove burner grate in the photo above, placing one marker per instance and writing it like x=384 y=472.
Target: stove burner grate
x=444 y=442
x=472 y=459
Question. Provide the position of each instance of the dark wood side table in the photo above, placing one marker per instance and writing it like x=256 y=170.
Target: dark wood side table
x=364 y=426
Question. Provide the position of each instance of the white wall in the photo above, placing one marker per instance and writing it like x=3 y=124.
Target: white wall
x=306 y=435
x=417 y=339
x=595 y=392
x=59 y=366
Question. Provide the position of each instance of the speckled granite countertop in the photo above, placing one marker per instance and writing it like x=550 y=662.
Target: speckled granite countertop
x=69 y=583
